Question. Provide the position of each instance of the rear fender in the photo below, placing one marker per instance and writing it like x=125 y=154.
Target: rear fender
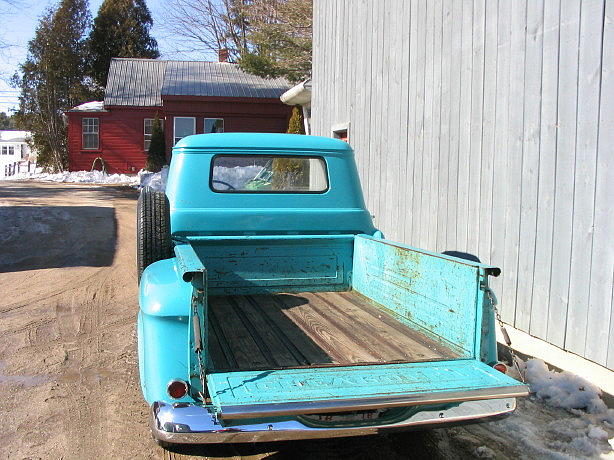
x=163 y=330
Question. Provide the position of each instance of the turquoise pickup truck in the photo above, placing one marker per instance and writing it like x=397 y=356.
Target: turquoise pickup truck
x=272 y=309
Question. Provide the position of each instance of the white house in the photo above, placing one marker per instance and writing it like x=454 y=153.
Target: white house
x=14 y=149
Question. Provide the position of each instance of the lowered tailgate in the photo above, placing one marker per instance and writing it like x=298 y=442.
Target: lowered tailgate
x=253 y=394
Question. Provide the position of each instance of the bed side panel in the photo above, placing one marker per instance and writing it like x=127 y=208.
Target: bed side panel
x=438 y=295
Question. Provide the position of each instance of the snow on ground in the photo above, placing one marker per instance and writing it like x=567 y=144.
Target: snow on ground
x=89 y=177
x=563 y=418
x=157 y=181
x=564 y=389
x=236 y=177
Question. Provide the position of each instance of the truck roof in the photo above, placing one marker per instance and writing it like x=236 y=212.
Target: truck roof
x=261 y=141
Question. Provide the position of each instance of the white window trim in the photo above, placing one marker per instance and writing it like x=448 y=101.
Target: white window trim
x=145 y=134
x=83 y=147
x=175 y=127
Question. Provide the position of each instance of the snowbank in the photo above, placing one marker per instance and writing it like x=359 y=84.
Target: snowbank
x=560 y=435
x=81 y=177
x=564 y=389
x=157 y=181
x=142 y=179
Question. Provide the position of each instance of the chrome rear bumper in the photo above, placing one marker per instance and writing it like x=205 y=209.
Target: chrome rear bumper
x=190 y=424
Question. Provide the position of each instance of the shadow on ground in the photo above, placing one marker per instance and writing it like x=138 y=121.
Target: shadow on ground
x=35 y=237
x=409 y=445
x=20 y=190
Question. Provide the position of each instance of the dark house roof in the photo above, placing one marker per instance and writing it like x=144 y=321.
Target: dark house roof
x=143 y=82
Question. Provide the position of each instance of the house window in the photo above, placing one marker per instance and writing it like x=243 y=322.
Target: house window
x=5 y=150
x=184 y=126
x=91 y=128
x=148 y=130
x=11 y=150
x=214 y=125
x=342 y=132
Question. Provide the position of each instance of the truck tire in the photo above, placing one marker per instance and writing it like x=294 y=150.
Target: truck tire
x=153 y=230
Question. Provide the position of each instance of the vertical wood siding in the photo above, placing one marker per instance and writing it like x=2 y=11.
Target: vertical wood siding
x=487 y=127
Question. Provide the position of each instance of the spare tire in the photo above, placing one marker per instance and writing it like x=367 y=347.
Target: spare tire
x=153 y=229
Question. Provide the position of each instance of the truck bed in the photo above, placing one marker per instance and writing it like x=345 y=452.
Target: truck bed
x=279 y=331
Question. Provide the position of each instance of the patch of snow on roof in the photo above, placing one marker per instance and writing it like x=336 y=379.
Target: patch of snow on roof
x=94 y=106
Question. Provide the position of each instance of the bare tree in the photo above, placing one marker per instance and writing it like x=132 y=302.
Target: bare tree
x=281 y=37
x=6 y=7
x=208 y=26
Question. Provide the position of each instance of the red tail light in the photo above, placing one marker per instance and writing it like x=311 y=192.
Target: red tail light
x=501 y=367
x=177 y=389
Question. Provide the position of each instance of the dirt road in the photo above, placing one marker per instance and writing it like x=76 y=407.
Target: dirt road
x=68 y=366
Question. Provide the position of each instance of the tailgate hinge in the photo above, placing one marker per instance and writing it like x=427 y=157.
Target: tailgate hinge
x=198 y=298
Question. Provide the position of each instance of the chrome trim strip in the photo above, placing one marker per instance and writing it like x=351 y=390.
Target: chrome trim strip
x=190 y=424
x=385 y=402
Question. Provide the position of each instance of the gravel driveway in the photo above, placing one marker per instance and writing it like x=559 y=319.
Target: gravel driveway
x=68 y=366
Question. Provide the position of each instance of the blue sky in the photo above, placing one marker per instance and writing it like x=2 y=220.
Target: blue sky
x=18 y=26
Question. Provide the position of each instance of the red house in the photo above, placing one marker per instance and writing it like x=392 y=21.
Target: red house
x=191 y=97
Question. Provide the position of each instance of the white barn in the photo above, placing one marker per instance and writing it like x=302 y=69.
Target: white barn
x=486 y=127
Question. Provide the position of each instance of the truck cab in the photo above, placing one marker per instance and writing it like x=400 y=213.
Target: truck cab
x=271 y=308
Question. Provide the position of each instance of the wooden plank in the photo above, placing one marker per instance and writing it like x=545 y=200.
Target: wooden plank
x=375 y=85
x=391 y=141
x=565 y=171
x=454 y=109
x=404 y=166
x=464 y=128
x=476 y=125
x=374 y=328
x=435 y=133
x=427 y=130
x=239 y=340
x=302 y=347
x=405 y=344
x=514 y=159
x=217 y=359
x=334 y=341
x=268 y=336
x=589 y=66
x=547 y=170
x=499 y=189
x=415 y=340
x=419 y=127
x=530 y=163
x=488 y=130
x=358 y=133
x=408 y=235
x=357 y=333
x=600 y=325
x=444 y=140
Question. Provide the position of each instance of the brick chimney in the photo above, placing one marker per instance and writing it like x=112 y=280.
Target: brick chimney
x=223 y=55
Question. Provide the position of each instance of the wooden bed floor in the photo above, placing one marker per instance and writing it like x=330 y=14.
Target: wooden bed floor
x=253 y=332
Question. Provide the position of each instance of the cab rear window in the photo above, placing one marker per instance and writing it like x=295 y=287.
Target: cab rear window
x=268 y=174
